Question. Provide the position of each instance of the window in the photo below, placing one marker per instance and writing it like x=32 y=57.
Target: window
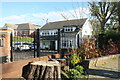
x=65 y=43
x=68 y=29
x=1 y=42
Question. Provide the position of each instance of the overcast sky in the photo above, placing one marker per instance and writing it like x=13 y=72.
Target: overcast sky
x=40 y=12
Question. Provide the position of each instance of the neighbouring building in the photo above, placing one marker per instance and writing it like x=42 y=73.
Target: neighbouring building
x=26 y=29
x=11 y=27
x=23 y=29
x=5 y=45
x=72 y=33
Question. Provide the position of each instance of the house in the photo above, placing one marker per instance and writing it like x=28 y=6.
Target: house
x=11 y=27
x=26 y=29
x=72 y=33
x=23 y=29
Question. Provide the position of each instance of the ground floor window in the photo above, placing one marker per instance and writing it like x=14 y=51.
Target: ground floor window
x=1 y=42
x=67 y=43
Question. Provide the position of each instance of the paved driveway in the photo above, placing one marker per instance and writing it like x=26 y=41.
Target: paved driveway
x=109 y=70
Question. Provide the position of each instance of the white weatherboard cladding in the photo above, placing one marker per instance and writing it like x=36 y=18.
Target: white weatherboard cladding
x=87 y=28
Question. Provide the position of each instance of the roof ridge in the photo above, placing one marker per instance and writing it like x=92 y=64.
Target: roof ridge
x=66 y=20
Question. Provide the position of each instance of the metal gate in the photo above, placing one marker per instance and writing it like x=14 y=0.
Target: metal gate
x=23 y=44
x=29 y=43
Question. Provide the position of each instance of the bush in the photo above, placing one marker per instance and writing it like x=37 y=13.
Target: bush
x=75 y=72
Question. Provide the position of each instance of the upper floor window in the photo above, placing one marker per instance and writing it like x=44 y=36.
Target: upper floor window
x=1 y=42
x=69 y=29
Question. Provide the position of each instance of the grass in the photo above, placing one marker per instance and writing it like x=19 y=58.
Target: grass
x=23 y=39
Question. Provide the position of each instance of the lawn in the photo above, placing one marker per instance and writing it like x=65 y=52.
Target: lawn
x=23 y=39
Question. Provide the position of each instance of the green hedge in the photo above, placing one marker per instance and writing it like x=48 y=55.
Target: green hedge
x=23 y=39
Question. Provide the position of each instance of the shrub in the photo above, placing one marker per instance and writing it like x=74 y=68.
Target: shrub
x=88 y=49
x=75 y=72
x=74 y=59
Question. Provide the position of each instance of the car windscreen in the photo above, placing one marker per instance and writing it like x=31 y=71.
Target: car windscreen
x=26 y=44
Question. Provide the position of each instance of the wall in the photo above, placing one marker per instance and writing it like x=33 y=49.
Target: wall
x=92 y=63
x=87 y=28
x=5 y=50
x=14 y=69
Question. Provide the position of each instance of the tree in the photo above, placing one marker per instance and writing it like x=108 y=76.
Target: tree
x=102 y=11
x=115 y=19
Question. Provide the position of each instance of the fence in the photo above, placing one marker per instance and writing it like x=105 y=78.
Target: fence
x=29 y=43
x=33 y=43
x=23 y=44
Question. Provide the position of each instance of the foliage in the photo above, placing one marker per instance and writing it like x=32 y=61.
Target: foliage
x=102 y=11
x=75 y=72
x=79 y=68
x=112 y=47
x=95 y=26
x=110 y=42
x=112 y=34
x=23 y=39
x=88 y=49
x=74 y=59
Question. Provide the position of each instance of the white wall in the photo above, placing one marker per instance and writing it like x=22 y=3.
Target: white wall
x=87 y=28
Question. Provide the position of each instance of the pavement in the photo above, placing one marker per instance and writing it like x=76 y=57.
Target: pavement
x=109 y=70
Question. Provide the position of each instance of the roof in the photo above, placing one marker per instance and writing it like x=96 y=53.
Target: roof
x=12 y=26
x=27 y=26
x=61 y=24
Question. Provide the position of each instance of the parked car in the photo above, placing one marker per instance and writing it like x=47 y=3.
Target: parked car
x=32 y=46
x=21 y=46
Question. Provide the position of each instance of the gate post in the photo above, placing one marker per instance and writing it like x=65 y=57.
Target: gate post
x=34 y=43
x=59 y=41
x=11 y=50
x=78 y=42
x=38 y=43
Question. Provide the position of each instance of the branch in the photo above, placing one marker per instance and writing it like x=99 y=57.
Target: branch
x=113 y=11
x=104 y=6
x=107 y=10
x=100 y=3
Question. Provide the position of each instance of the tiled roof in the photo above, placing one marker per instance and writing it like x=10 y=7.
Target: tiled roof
x=27 y=26
x=60 y=24
x=12 y=26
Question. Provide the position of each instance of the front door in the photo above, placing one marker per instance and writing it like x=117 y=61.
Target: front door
x=52 y=45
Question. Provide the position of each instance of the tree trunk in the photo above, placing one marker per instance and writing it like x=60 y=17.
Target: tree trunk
x=102 y=26
x=43 y=70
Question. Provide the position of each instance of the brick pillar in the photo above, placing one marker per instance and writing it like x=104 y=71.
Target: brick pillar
x=5 y=49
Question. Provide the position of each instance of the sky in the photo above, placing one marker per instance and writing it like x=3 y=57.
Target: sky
x=39 y=13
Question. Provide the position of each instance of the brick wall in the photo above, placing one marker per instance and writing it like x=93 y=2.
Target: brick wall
x=5 y=50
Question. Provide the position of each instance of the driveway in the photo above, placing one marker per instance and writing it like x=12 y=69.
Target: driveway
x=22 y=55
x=109 y=70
